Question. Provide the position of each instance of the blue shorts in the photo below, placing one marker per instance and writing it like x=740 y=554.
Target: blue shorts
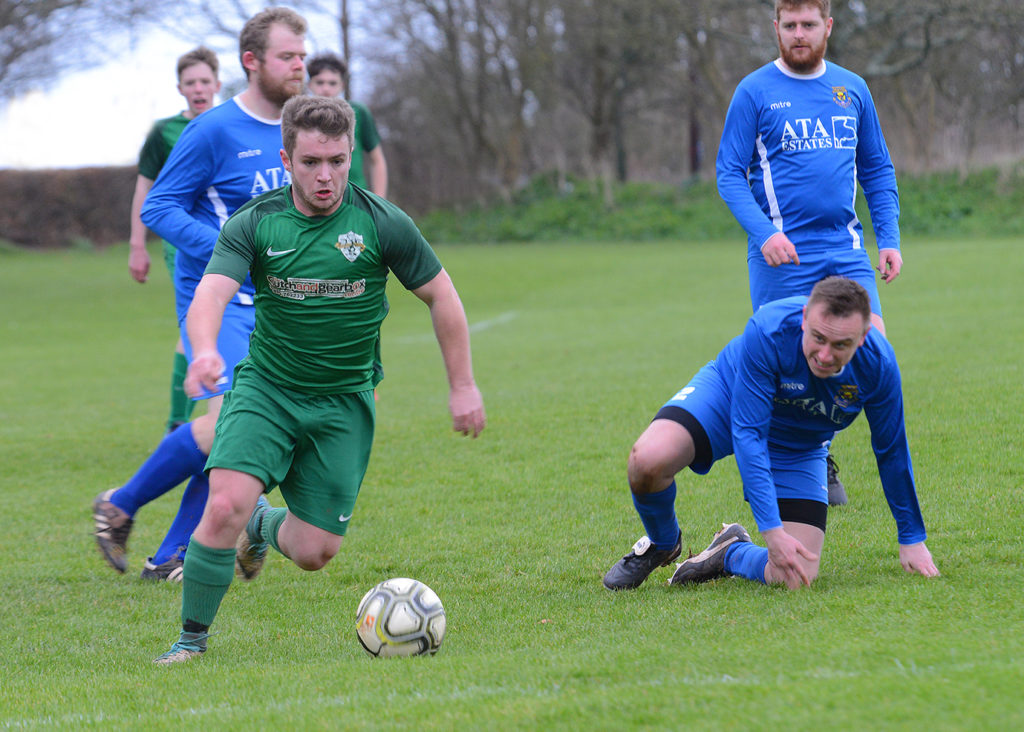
x=232 y=341
x=798 y=473
x=774 y=283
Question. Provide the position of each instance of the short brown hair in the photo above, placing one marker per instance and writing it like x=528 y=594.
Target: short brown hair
x=841 y=297
x=199 y=55
x=256 y=32
x=329 y=116
x=825 y=6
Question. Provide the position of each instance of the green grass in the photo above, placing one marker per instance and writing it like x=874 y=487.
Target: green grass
x=575 y=348
x=984 y=203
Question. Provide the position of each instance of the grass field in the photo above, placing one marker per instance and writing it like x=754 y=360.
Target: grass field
x=575 y=348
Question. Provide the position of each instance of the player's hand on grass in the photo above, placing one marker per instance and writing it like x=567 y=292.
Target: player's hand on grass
x=779 y=250
x=204 y=372
x=467 y=408
x=138 y=263
x=890 y=262
x=784 y=552
x=917 y=558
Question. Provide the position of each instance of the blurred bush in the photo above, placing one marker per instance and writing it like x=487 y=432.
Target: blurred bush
x=66 y=207
x=90 y=207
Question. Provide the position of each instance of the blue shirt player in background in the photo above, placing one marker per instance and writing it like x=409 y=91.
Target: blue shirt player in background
x=799 y=135
x=224 y=158
x=803 y=369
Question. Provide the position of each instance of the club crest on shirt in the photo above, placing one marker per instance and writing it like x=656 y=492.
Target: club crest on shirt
x=840 y=97
x=351 y=245
x=846 y=395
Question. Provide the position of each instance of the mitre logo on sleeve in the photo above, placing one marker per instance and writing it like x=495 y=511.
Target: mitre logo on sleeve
x=351 y=245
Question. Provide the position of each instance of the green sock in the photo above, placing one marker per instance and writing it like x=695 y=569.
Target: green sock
x=181 y=405
x=206 y=578
x=272 y=520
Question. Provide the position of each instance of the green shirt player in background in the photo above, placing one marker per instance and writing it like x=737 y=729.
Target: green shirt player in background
x=369 y=167
x=199 y=83
x=300 y=414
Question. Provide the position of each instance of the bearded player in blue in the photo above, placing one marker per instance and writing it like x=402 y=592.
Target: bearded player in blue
x=803 y=368
x=224 y=158
x=799 y=135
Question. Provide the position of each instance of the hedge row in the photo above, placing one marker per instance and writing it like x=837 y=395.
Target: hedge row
x=66 y=207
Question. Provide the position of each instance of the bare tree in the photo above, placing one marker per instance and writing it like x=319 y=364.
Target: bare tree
x=474 y=97
x=947 y=70
x=468 y=75
x=608 y=53
x=36 y=47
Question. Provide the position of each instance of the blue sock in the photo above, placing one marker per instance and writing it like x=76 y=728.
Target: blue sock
x=193 y=501
x=744 y=559
x=176 y=458
x=658 y=514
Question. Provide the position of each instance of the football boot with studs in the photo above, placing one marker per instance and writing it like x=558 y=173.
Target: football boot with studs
x=710 y=563
x=630 y=572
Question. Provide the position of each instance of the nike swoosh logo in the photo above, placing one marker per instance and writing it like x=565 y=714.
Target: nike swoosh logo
x=272 y=253
x=343 y=518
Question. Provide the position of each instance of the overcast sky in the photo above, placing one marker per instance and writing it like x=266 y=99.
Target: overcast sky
x=97 y=117
x=102 y=116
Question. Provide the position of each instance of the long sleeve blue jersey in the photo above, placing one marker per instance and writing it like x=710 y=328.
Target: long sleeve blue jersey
x=792 y=151
x=776 y=400
x=224 y=158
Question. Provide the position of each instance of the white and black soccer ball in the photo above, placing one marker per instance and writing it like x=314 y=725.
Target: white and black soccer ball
x=400 y=617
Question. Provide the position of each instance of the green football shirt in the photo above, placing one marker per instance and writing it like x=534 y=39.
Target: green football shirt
x=367 y=138
x=320 y=284
x=157 y=147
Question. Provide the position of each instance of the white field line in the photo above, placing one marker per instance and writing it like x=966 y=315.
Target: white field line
x=473 y=328
x=229 y=712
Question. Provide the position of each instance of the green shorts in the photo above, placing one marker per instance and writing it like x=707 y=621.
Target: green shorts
x=315 y=447
x=170 y=253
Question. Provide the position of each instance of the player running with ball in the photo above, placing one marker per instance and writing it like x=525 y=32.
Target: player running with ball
x=301 y=413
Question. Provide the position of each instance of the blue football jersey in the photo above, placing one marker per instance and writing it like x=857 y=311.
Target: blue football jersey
x=776 y=400
x=794 y=147
x=224 y=158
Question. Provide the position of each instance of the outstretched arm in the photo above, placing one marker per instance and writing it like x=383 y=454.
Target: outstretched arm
x=452 y=332
x=202 y=324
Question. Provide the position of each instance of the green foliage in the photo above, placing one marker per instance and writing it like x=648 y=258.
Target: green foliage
x=575 y=211
x=985 y=203
x=575 y=347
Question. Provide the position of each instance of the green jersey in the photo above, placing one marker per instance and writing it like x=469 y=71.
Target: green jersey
x=367 y=139
x=157 y=147
x=320 y=284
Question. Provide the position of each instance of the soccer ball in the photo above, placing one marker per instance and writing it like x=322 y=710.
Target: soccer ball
x=400 y=617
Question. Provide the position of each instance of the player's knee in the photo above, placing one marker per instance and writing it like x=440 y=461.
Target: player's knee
x=643 y=469
x=812 y=574
x=202 y=432
x=775 y=576
x=224 y=512
x=316 y=557
x=877 y=323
